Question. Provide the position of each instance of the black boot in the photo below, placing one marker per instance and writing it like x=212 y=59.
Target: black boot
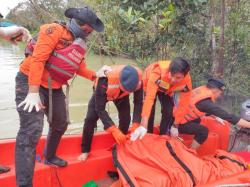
x=56 y=161
x=4 y=169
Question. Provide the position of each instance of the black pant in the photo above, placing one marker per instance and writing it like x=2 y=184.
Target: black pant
x=167 y=118
x=199 y=131
x=123 y=107
x=59 y=123
x=31 y=126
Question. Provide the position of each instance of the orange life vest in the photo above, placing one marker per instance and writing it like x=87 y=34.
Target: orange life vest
x=163 y=81
x=114 y=86
x=163 y=161
x=191 y=112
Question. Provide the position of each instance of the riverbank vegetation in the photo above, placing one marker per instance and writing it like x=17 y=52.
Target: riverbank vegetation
x=212 y=34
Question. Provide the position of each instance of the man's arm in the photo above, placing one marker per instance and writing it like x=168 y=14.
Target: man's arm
x=15 y=34
x=92 y=75
x=211 y=108
x=47 y=40
x=150 y=94
x=100 y=102
x=85 y=72
x=138 y=98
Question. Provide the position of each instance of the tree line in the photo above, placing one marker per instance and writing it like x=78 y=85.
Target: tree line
x=212 y=34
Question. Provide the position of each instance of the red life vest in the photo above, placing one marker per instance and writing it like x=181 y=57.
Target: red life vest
x=62 y=63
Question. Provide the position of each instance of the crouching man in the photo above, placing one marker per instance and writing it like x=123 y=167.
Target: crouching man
x=120 y=82
x=202 y=102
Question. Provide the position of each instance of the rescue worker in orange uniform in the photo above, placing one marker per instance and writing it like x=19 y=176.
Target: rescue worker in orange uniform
x=163 y=79
x=56 y=56
x=120 y=82
x=202 y=102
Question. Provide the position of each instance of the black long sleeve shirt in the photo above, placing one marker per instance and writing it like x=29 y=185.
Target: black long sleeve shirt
x=211 y=108
x=101 y=100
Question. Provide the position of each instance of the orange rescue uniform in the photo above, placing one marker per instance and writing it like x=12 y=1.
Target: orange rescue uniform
x=114 y=88
x=191 y=112
x=159 y=71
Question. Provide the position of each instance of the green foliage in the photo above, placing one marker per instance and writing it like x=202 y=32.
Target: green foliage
x=149 y=30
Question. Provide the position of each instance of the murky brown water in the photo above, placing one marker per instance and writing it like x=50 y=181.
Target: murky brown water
x=10 y=57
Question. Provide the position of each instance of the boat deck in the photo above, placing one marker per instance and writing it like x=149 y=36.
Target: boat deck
x=99 y=162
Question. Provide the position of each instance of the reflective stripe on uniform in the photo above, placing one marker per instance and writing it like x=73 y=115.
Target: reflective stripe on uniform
x=65 y=59
x=112 y=86
x=59 y=70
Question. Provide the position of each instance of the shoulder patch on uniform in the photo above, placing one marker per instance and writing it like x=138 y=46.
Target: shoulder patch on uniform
x=49 y=30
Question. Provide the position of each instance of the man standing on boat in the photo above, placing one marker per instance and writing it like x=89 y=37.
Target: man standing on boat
x=55 y=57
x=13 y=34
x=167 y=80
x=202 y=102
x=120 y=82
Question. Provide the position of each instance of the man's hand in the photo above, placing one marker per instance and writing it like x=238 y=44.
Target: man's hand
x=243 y=123
x=15 y=34
x=32 y=100
x=174 y=131
x=134 y=126
x=119 y=137
x=103 y=71
x=138 y=133
x=221 y=121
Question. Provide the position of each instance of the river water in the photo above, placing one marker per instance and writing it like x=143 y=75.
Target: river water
x=80 y=92
x=10 y=57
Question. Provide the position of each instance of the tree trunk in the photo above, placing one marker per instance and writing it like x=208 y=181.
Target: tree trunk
x=217 y=58
x=213 y=38
x=220 y=71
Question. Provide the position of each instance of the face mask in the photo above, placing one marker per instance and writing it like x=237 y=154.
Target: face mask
x=76 y=30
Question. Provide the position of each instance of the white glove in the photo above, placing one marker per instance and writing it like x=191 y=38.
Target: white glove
x=138 y=133
x=14 y=32
x=221 y=121
x=32 y=100
x=174 y=132
x=102 y=72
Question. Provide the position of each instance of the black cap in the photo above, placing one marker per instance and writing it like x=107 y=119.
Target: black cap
x=87 y=16
x=129 y=78
x=217 y=83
